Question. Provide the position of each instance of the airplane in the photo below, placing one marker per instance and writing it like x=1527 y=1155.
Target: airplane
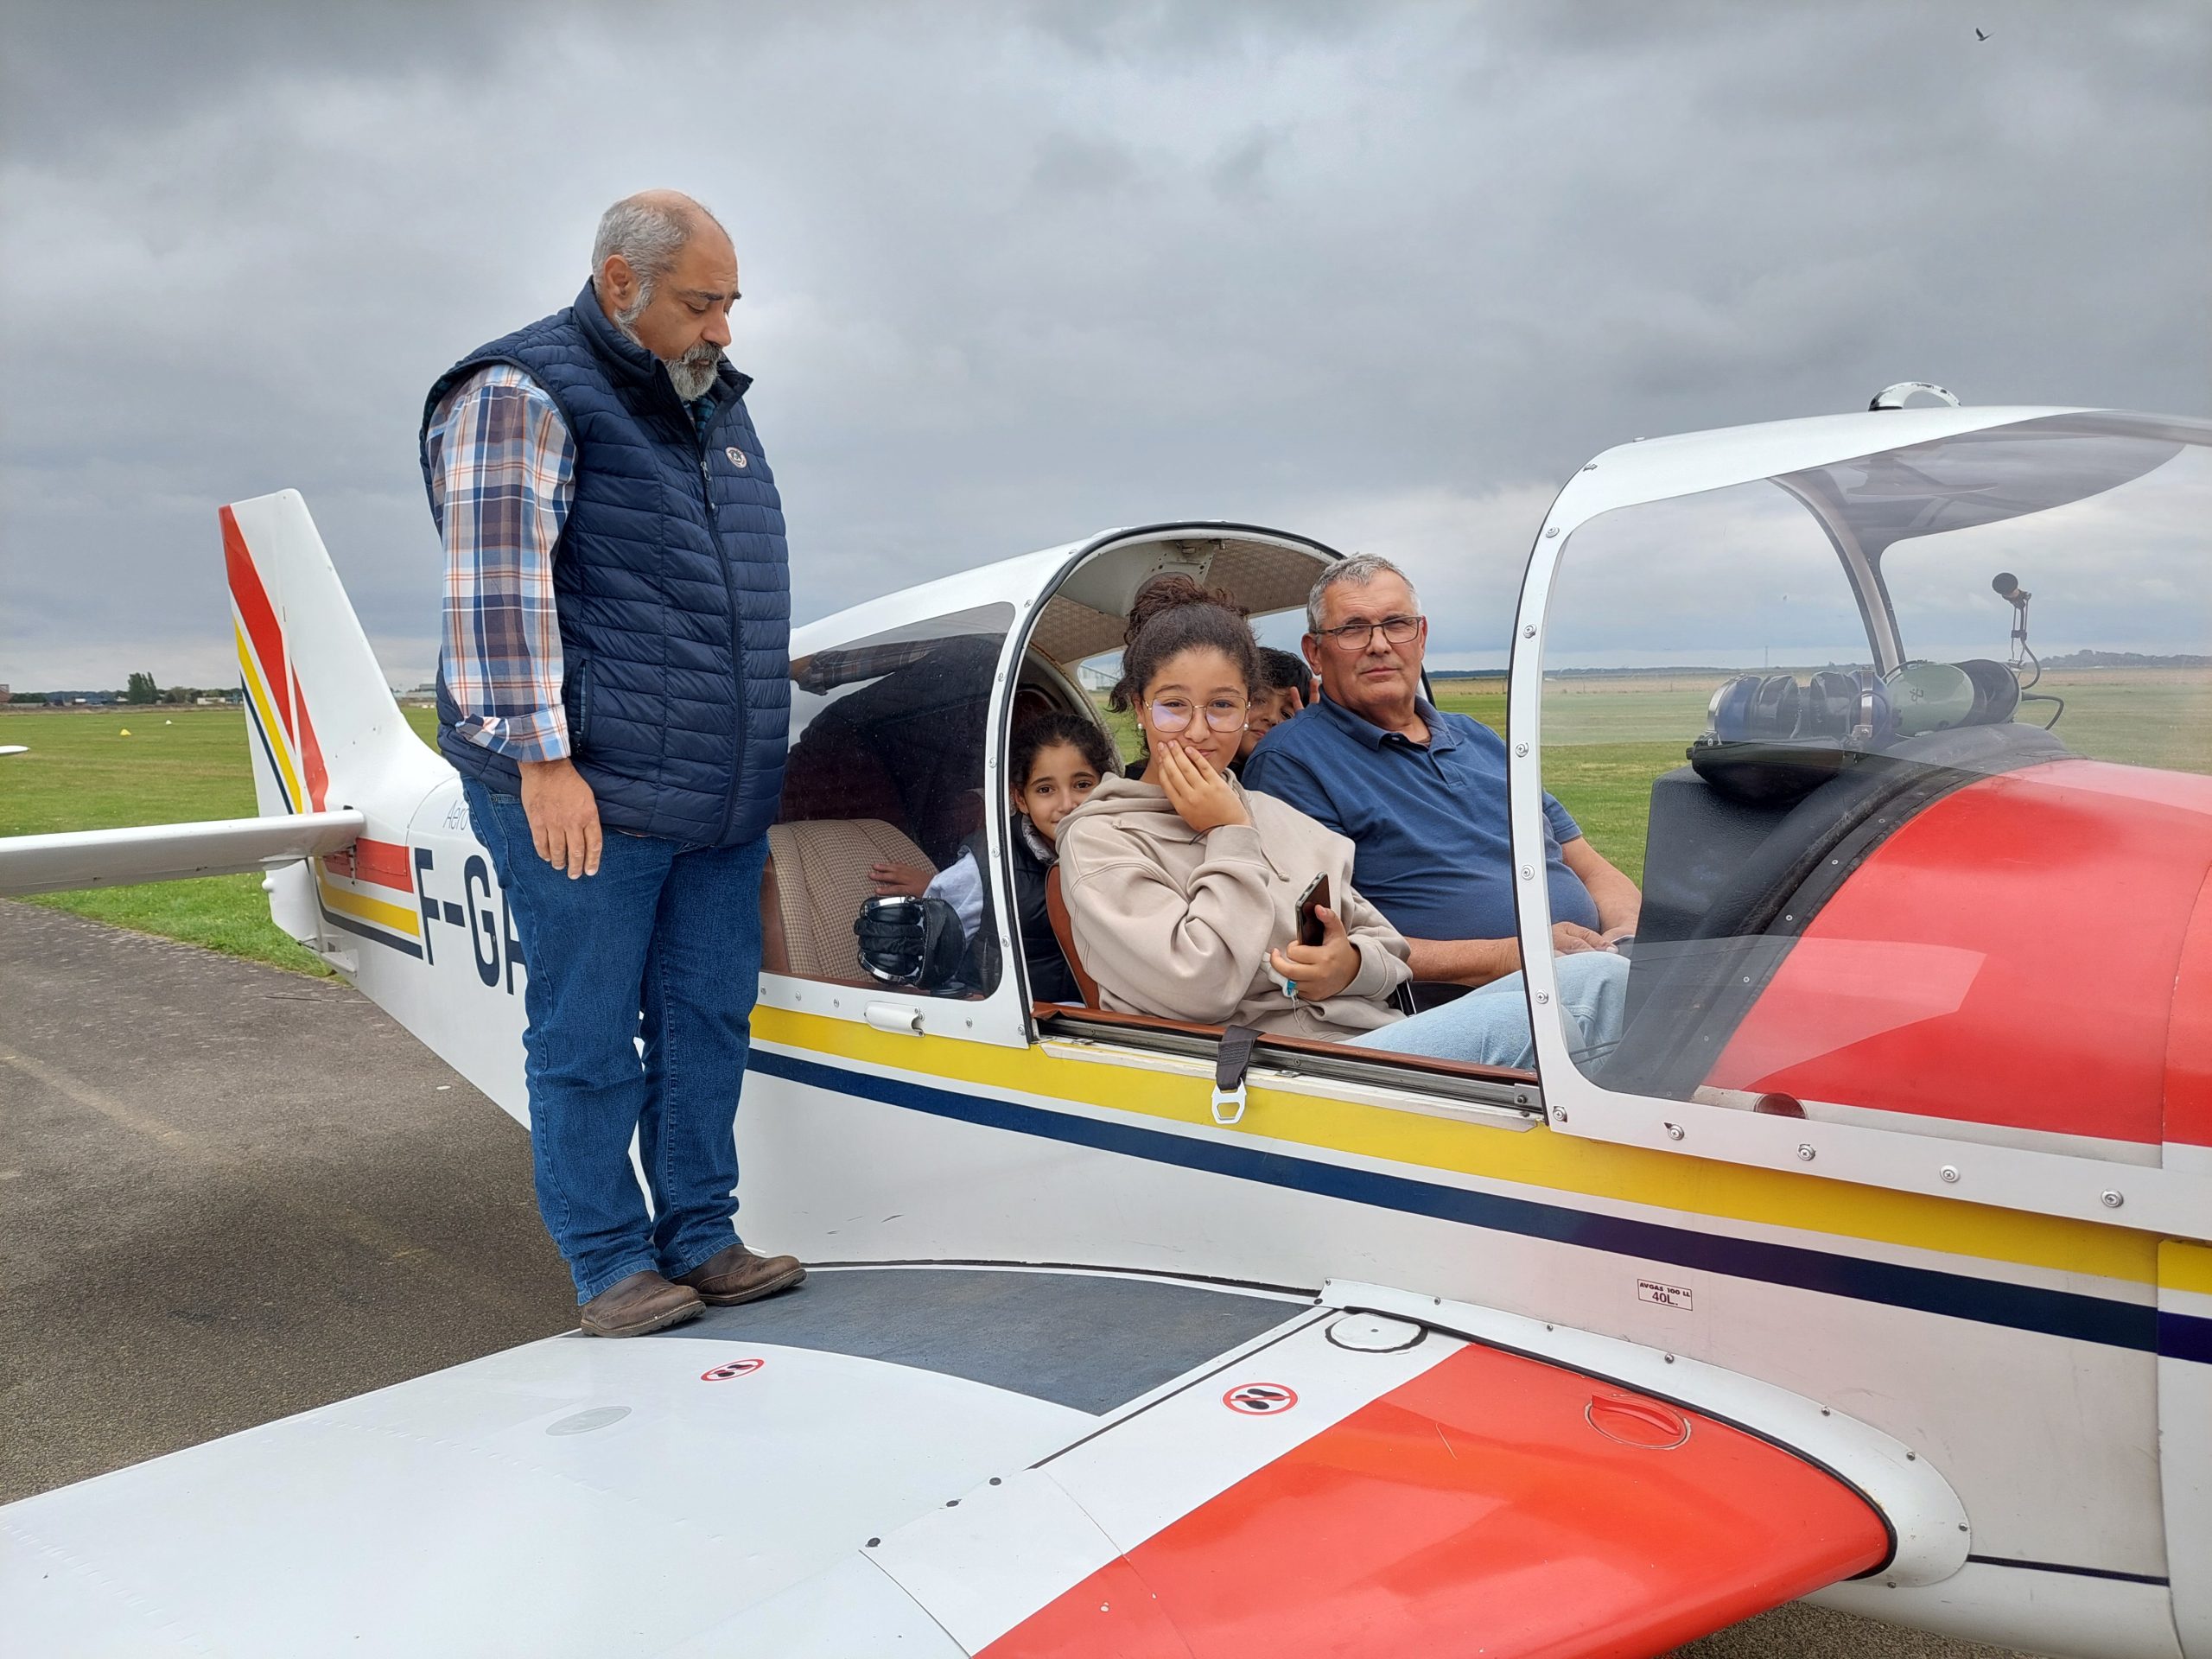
x=1871 y=1264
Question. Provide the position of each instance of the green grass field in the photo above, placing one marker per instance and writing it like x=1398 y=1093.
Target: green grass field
x=177 y=766
x=1606 y=739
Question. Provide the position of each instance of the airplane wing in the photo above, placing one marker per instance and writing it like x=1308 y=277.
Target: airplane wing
x=932 y=1460
x=169 y=852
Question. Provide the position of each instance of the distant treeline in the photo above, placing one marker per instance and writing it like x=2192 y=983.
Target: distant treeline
x=130 y=696
x=2124 y=659
x=2071 y=659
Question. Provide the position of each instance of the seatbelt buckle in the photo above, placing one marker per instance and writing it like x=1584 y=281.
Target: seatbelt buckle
x=1230 y=1060
x=1231 y=1097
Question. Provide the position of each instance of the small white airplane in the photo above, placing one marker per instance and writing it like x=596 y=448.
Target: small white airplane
x=1873 y=1264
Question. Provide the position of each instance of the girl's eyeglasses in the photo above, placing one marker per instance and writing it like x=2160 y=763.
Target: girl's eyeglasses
x=1223 y=714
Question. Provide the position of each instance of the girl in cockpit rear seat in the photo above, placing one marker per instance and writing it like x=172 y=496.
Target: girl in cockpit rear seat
x=1056 y=761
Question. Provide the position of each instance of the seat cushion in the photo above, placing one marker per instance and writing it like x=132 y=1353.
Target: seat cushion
x=821 y=880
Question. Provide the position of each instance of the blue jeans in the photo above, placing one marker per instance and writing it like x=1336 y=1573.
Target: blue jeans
x=664 y=942
x=1490 y=1024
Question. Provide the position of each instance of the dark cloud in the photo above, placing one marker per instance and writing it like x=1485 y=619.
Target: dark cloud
x=1383 y=274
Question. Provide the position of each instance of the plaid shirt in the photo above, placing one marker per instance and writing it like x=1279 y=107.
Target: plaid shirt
x=502 y=475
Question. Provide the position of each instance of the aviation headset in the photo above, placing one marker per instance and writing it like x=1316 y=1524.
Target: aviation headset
x=1860 y=709
x=1849 y=707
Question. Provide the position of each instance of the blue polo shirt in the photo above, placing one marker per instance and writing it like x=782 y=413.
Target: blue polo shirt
x=1433 y=849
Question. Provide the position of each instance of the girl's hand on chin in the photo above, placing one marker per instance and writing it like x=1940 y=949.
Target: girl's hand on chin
x=1202 y=797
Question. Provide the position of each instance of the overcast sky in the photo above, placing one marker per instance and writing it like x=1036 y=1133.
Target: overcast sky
x=1382 y=274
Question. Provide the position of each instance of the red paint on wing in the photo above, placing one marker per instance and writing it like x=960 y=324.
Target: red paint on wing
x=2008 y=957
x=1475 y=1510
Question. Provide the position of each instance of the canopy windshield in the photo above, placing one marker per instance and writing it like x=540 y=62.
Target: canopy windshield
x=1981 y=478
x=1924 y=695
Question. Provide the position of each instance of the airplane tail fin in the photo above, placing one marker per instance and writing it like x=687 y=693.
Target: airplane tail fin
x=324 y=729
x=326 y=734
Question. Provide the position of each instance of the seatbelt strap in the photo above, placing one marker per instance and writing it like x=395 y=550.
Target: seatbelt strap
x=1229 y=1065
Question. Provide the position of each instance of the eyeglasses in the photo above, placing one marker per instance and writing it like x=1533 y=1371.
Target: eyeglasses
x=1355 y=636
x=1223 y=714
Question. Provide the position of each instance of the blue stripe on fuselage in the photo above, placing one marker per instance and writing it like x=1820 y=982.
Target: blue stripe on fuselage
x=1989 y=1302
x=369 y=930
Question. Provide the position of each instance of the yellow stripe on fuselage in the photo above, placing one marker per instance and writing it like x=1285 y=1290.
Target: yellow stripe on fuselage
x=1539 y=1157
x=397 y=917
x=2186 y=1265
x=279 y=745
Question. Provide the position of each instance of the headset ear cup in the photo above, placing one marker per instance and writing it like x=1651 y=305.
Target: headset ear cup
x=1728 y=715
x=1996 y=691
x=1774 y=711
x=1878 y=716
x=1831 y=707
x=1931 y=697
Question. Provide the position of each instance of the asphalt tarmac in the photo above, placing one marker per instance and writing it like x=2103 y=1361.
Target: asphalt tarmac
x=231 y=1193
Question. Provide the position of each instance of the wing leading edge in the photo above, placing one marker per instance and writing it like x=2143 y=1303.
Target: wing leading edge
x=1445 y=1497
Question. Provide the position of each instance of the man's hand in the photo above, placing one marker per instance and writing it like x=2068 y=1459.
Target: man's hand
x=910 y=879
x=1619 y=902
x=1569 y=937
x=564 y=815
x=1201 y=797
x=1322 y=971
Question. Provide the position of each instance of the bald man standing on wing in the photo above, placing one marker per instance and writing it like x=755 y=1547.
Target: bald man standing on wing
x=613 y=687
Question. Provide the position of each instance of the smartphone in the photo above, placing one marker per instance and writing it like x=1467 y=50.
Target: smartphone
x=1309 y=904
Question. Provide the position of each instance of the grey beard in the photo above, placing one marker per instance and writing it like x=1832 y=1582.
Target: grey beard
x=691 y=374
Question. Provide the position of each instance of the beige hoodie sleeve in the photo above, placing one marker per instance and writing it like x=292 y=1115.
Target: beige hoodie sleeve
x=1151 y=949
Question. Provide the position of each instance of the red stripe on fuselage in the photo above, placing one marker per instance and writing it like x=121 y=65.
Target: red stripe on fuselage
x=1477 y=1509
x=387 y=863
x=260 y=619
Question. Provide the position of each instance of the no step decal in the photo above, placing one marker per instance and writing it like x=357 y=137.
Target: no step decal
x=734 y=1367
x=1259 y=1399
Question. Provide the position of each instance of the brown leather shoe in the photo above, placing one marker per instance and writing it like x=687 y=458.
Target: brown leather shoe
x=736 y=1275
x=643 y=1302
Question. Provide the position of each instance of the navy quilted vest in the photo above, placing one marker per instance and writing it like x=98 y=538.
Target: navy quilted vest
x=671 y=585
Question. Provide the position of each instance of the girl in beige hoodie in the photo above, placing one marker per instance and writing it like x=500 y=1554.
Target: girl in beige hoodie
x=1182 y=888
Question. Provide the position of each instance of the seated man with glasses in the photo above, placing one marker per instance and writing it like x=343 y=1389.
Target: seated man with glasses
x=1421 y=796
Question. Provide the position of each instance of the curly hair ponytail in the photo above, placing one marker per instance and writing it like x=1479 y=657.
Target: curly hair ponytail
x=1173 y=613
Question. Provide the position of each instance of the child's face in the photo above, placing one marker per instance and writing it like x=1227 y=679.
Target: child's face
x=1268 y=711
x=1059 y=779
